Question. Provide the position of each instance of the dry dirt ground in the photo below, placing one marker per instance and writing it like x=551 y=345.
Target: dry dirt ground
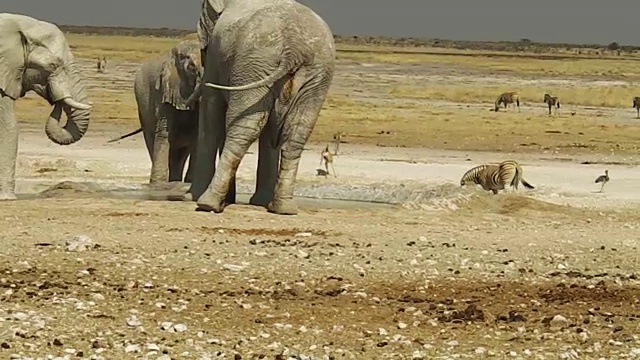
x=99 y=268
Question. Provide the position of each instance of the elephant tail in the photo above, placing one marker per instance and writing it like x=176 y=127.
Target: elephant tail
x=292 y=61
x=125 y=136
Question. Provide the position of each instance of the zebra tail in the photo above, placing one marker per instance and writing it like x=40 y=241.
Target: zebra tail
x=526 y=184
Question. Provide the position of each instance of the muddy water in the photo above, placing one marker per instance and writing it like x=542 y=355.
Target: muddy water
x=164 y=192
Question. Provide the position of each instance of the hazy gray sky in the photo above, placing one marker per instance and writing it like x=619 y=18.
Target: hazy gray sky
x=585 y=21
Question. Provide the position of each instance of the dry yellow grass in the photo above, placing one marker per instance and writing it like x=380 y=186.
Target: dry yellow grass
x=409 y=123
x=138 y=48
x=469 y=130
x=518 y=63
x=610 y=96
x=119 y=48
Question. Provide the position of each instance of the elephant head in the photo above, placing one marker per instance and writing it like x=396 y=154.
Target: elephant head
x=34 y=55
x=181 y=75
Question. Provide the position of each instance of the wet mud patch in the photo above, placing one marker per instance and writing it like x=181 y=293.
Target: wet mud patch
x=73 y=189
x=70 y=189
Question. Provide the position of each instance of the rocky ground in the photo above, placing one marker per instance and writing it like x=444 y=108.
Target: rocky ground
x=97 y=268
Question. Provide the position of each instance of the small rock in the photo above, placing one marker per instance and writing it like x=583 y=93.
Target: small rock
x=20 y=316
x=402 y=325
x=232 y=267
x=303 y=234
x=131 y=348
x=153 y=347
x=133 y=321
x=559 y=321
x=79 y=243
x=180 y=327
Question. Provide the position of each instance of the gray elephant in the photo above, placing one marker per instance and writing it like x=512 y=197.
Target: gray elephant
x=34 y=55
x=276 y=59
x=170 y=126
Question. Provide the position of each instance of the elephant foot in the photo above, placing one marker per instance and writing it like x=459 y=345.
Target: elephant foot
x=283 y=207
x=209 y=202
x=261 y=199
x=6 y=196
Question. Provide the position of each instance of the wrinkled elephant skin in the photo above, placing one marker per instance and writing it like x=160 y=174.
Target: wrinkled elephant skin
x=168 y=114
x=35 y=56
x=242 y=41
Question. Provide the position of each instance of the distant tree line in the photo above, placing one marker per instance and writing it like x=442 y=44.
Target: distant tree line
x=523 y=45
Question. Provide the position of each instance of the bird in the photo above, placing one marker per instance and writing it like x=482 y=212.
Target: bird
x=603 y=179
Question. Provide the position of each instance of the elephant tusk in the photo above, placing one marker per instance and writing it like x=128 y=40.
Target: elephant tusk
x=75 y=104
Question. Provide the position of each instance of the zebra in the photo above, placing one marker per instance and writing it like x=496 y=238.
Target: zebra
x=636 y=104
x=552 y=101
x=337 y=139
x=102 y=64
x=495 y=177
x=603 y=179
x=507 y=98
x=327 y=157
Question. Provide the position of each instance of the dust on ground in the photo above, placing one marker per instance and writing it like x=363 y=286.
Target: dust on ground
x=96 y=267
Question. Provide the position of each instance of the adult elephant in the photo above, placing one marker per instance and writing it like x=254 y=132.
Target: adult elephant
x=162 y=87
x=34 y=55
x=275 y=59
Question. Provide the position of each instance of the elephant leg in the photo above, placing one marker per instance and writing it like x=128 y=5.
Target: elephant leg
x=8 y=148
x=211 y=118
x=244 y=125
x=268 y=162
x=177 y=159
x=299 y=121
x=148 y=133
x=161 y=147
x=231 y=193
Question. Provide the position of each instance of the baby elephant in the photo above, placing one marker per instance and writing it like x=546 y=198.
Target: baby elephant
x=168 y=122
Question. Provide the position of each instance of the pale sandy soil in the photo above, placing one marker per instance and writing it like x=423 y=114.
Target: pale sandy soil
x=442 y=273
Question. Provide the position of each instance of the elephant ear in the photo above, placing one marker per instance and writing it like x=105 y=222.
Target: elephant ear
x=13 y=53
x=211 y=10
x=169 y=84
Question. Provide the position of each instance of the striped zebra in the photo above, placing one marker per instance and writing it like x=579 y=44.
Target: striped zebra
x=636 y=104
x=552 y=101
x=507 y=98
x=496 y=177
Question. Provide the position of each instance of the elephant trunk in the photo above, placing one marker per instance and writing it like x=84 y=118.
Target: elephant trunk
x=68 y=93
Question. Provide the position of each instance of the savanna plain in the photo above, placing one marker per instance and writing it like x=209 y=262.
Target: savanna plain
x=391 y=259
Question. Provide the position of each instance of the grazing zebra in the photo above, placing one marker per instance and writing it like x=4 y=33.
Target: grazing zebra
x=508 y=98
x=337 y=139
x=552 y=101
x=327 y=157
x=102 y=64
x=603 y=179
x=636 y=104
x=496 y=177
